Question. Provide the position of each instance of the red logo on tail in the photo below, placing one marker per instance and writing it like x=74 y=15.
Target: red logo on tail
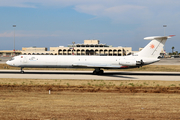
x=152 y=46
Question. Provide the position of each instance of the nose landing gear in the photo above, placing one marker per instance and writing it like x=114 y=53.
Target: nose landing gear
x=22 y=70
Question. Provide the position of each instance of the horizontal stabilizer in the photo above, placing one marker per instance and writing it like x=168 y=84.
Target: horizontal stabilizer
x=158 y=37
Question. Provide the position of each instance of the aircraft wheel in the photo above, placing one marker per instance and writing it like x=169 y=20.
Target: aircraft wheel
x=95 y=72
x=101 y=72
x=22 y=70
x=98 y=73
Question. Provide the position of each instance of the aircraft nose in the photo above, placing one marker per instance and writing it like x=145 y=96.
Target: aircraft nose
x=8 y=62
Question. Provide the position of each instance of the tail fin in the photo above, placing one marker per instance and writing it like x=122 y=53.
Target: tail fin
x=154 y=48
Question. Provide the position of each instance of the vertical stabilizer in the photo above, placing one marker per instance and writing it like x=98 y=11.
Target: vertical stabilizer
x=154 y=48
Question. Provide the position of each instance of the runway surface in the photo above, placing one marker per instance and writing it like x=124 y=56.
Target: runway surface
x=87 y=75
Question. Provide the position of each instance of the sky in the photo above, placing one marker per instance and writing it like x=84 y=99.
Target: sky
x=53 y=23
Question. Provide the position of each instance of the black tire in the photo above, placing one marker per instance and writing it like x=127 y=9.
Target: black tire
x=94 y=72
x=101 y=72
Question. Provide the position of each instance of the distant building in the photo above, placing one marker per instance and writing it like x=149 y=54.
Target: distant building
x=89 y=47
x=9 y=53
x=35 y=51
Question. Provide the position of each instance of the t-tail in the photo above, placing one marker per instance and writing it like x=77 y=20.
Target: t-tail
x=153 y=49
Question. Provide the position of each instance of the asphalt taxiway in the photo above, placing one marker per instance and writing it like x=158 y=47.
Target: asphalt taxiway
x=87 y=75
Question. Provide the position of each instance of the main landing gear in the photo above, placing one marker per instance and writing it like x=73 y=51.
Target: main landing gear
x=97 y=71
x=22 y=70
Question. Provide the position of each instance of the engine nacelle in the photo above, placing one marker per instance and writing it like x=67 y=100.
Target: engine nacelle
x=128 y=62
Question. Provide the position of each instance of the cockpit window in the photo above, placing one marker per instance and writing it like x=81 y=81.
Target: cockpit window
x=11 y=59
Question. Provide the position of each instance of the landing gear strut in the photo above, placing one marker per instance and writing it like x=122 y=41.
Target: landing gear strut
x=22 y=70
x=97 y=71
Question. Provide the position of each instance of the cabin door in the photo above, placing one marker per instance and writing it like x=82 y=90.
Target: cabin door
x=25 y=59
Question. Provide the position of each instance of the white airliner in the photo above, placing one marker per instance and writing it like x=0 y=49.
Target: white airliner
x=149 y=54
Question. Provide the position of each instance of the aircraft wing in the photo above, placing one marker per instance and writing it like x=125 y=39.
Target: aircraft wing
x=96 y=65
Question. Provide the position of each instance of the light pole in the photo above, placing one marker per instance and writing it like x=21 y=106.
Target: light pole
x=14 y=26
x=73 y=47
x=164 y=29
x=164 y=26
